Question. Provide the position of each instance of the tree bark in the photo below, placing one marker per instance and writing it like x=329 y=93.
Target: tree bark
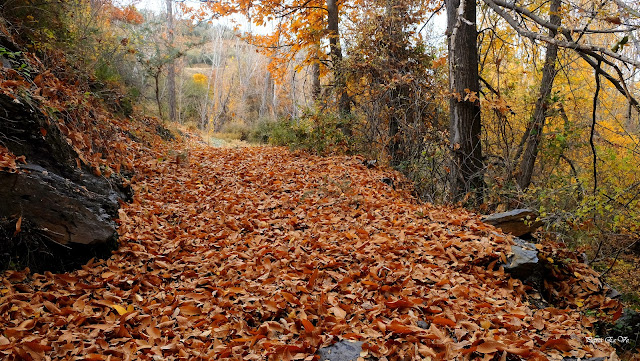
x=534 y=131
x=156 y=78
x=464 y=107
x=401 y=112
x=315 y=86
x=171 y=69
x=344 y=104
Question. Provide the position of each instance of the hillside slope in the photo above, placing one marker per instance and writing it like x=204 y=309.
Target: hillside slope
x=261 y=253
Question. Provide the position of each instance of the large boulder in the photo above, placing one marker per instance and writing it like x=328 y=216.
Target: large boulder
x=62 y=209
x=517 y=222
x=54 y=193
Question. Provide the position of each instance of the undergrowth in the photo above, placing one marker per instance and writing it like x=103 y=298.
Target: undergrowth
x=314 y=131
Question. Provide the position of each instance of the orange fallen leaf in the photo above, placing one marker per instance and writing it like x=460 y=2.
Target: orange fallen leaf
x=339 y=312
x=490 y=346
x=94 y=357
x=37 y=346
x=307 y=325
x=443 y=321
x=190 y=310
x=397 y=327
x=121 y=310
x=557 y=343
x=399 y=304
x=18 y=227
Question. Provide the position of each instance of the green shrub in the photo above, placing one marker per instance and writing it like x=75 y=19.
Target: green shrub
x=317 y=132
x=235 y=129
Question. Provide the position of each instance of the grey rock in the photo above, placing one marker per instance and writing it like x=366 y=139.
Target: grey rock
x=517 y=222
x=524 y=261
x=613 y=293
x=341 y=351
x=6 y=63
x=370 y=163
x=65 y=211
x=583 y=258
x=423 y=324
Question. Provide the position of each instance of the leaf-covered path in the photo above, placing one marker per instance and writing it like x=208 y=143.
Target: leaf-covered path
x=260 y=253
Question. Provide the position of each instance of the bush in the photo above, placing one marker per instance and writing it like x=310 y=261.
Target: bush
x=316 y=132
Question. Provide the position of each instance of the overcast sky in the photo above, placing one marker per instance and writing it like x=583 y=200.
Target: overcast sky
x=438 y=22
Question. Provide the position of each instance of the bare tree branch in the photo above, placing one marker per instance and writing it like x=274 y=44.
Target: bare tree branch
x=499 y=5
x=591 y=54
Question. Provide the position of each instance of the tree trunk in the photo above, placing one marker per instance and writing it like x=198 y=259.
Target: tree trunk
x=315 y=86
x=171 y=70
x=533 y=135
x=156 y=78
x=344 y=105
x=399 y=93
x=465 y=125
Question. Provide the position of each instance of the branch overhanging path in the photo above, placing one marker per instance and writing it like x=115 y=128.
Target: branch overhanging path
x=595 y=56
x=261 y=253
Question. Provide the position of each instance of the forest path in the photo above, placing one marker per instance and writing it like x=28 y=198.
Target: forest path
x=260 y=253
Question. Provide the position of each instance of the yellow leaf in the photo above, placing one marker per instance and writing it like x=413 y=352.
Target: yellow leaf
x=485 y=324
x=550 y=259
x=579 y=302
x=121 y=310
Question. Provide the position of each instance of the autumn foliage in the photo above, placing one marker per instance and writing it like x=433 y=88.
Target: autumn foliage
x=260 y=253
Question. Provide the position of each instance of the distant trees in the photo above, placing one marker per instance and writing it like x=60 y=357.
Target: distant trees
x=171 y=68
x=371 y=62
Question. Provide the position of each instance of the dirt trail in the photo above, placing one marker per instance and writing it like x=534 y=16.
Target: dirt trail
x=258 y=253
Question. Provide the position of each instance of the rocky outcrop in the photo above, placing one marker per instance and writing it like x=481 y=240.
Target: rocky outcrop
x=517 y=222
x=54 y=192
x=62 y=209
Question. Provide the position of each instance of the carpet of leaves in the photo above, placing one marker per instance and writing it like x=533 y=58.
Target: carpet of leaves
x=265 y=254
